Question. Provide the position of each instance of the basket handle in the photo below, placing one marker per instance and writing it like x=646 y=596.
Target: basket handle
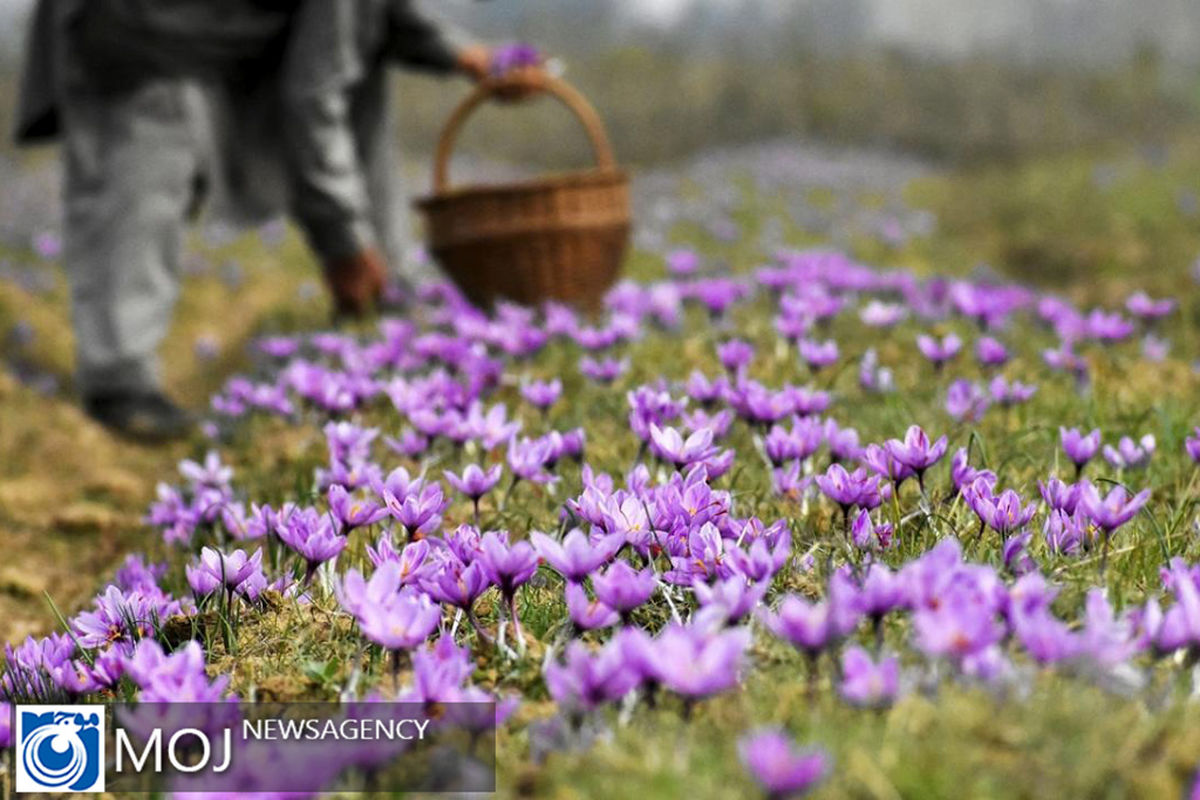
x=559 y=89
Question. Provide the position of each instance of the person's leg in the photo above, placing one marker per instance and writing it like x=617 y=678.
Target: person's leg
x=130 y=161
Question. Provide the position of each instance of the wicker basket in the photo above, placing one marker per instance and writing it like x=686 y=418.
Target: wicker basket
x=561 y=237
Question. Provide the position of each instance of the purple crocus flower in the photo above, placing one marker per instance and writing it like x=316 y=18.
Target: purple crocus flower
x=963 y=474
x=1112 y=511
x=669 y=445
x=604 y=370
x=420 y=512
x=176 y=678
x=578 y=555
x=622 y=588
x=1008 y=394
x=818 y=355
x=457 y=584
x=352 y=512
x=916 y=451
x=1066 y=534
x=735 y=355
x=956 y=630
x=966 y=401
x=990 y=352
x=1016 y=555
x=528 y=459
x=872 y=377
x=507 y=565
x=1142 y=306
x=1128 y=455
x=311 y=534
x=866 y=535
x=806 y=625
x=542 y=394
x=781 y=770
x=695 y=663
x=1002 y=513
x=404 y=622
x=1060 y=496
x=843 y=442
x=229 y=570
x=588 y=614
x=1192 y=446
x=880 y=460
x=1078 y=447
x=727 y=602
x=868 y=684
x=474 y=483
x=587 y=680
x=850 y=489
x=939 y=351
x=782 y=445
x=877 y=314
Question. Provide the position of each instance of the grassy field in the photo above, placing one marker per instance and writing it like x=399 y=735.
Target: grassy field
x=1093 y=228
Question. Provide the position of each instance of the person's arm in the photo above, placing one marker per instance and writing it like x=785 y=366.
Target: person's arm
x=323 y=64
x=416 y=41
x=326 y=58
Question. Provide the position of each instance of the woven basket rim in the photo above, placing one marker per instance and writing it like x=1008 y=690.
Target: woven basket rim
x=583 y=178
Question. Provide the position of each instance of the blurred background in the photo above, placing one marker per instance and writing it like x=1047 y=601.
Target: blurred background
x=945 y=79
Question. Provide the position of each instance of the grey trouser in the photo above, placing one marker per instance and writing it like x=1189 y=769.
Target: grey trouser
x=132 y=159
x=131 y=166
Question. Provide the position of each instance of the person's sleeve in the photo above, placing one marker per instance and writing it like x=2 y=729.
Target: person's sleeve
x=324 y=63
x=417 y=41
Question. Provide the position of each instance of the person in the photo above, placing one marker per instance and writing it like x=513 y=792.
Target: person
x=161 y=103
x=337 y=117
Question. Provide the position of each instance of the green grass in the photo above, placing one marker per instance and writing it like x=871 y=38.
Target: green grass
x=1043 y=221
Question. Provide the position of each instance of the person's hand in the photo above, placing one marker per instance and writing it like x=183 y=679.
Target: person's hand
x=516 y=71
x=475 y=61
x=356 y=282
x=520 y=83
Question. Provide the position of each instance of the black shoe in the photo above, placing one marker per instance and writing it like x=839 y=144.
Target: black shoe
x=144 y=416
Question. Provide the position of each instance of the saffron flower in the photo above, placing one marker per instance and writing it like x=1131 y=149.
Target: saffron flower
x=312 y=535
x=1128 y=455
x=224 y=570
x=1002 y=513
x=807 y=626
x=818 y=355
x=404 y=622
x=1078 y=447
x=542 y=394
x=695 y=663
x=1113 y=510
x=850 y=489
x=588 y=614
x=577 y=556
x=778 y=767
x=352 y=512
x=1192 y=446
x=669 y=445
x=939 y=351
x=916 y=451
x=868 y=684
x=587 y=680
x=622 y=588
x=990 y=352
x=735 y=355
